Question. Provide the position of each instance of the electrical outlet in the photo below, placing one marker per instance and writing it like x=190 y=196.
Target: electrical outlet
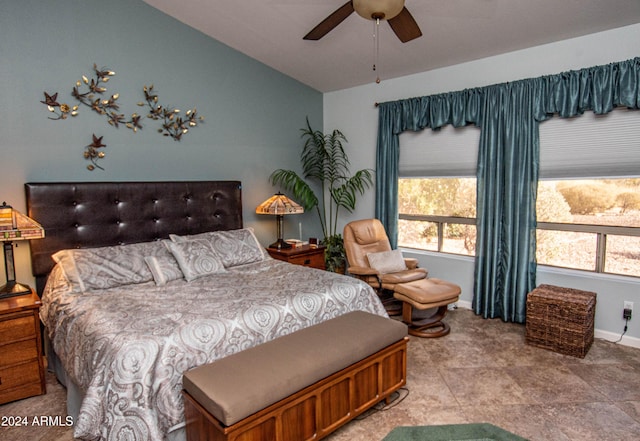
x=627 y=310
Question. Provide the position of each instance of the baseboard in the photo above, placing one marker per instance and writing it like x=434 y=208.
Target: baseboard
x=633 y=342
x=460 y=304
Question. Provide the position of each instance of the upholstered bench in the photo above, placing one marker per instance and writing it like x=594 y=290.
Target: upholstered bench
x=301 y=386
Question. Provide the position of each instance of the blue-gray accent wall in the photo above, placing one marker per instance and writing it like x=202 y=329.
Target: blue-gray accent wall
x=253 y=114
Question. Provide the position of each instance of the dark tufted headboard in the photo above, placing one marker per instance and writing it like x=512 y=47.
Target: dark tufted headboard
x=94 y=214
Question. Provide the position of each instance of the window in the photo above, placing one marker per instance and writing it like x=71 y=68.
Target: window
x=591 y=225
x=596 y=228
x=447 y=200
x=587 y=224
x=438 y=214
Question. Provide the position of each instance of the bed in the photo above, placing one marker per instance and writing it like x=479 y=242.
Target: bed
x=142 y=281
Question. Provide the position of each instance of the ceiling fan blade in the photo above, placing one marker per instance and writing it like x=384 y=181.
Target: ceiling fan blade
x=405 y=26
x=327 y=25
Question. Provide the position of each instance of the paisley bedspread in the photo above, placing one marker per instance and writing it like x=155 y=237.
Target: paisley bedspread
x=128 y=346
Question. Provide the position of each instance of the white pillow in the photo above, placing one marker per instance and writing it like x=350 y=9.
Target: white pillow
x=196 y=258
x=387 y=261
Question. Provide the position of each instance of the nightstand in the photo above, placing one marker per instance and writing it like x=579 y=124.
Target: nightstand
x=304 y=255
x=21 y=364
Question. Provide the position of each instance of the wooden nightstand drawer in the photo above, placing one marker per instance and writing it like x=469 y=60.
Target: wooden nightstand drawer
x=19 y=375
x=17 y=327
x=313 y=261
x=20 y=392
x=21 y=364
x=18 y=352
x=304 y=255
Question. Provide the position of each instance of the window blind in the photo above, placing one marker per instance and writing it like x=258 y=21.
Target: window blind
x=587 y=146
x=595 y=146
x=446 y=152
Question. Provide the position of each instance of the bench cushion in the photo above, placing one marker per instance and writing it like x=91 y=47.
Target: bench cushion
x=241 y=384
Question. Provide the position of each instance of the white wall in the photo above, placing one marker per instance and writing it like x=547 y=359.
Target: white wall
x=353 y=111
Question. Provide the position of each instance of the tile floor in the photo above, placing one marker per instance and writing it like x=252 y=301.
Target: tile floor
x=482 y=372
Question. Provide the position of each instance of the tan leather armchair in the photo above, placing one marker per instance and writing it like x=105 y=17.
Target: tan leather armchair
x=402 y=286
x=366 y=236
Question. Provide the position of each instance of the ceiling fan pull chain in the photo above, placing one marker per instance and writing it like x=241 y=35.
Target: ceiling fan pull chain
x=376 y=47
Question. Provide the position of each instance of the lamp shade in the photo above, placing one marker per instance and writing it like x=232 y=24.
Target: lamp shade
x=24 y=228
x=15 y=226
x=279 y=204
x=382 y=9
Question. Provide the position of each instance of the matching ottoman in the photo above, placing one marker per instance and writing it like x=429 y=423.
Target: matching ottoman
x=561 y=319
x=426 y=294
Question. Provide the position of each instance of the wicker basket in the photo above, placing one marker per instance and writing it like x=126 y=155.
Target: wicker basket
x=561 y=319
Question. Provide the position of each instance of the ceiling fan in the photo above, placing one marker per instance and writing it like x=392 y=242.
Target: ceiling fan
x=400 y=19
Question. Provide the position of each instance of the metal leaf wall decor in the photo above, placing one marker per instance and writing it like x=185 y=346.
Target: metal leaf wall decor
x=92 y=93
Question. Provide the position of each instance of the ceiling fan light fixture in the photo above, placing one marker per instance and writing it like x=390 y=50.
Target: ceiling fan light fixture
x=378 y=9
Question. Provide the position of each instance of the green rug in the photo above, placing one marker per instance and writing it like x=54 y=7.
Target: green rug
x=452 y=432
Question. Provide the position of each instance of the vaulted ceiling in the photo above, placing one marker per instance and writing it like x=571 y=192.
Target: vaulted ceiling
x=454 y=31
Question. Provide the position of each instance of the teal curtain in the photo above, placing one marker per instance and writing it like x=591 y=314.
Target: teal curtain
x=387 y=157
x=507 y=179
x=508 y=115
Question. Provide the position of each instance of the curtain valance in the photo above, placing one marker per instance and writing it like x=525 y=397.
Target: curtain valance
x=571 y=93
x=599 y=89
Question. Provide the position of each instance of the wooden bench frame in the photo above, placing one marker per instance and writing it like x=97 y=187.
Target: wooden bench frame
x=315 y=411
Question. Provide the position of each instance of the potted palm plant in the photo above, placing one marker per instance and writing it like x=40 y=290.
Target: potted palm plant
x=325 y=163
